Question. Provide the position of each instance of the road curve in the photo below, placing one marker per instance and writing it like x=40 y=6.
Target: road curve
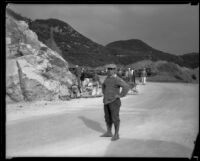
x=160 y=121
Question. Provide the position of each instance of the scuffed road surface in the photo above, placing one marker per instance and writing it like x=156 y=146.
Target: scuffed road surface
x=161 y=121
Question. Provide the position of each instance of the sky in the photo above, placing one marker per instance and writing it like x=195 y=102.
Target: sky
x=169 y=28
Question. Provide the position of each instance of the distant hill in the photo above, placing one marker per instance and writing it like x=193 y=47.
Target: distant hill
x=76 y=48
x=133 y=50
x=72 y=46
x=191 y=60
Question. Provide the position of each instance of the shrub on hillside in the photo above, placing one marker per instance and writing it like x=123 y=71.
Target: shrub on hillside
x=193 y=77
x=178 y=77
x=56 y=61
x=167 y=67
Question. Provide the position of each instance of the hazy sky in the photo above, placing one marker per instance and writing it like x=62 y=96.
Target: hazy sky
x=170 y=28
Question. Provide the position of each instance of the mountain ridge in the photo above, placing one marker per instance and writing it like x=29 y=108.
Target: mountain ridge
x=78 y=49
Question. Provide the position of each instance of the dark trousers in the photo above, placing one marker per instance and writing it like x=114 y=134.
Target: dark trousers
x=133 y=79
x=79 y=84
x=111 y=111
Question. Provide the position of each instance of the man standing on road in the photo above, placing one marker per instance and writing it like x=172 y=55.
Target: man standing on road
x=133 y=75
x=77 y=72
x=129 y=75
x=111 y=91
x=144 y=75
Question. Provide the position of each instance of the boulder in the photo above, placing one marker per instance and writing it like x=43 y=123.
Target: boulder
x=13 y=89
x=33 y=71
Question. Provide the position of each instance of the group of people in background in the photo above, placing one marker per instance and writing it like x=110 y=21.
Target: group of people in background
x=85 y=82
x=129 y=75
x=91 y=82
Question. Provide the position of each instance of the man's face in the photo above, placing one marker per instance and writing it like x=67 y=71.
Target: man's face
x=111 y=71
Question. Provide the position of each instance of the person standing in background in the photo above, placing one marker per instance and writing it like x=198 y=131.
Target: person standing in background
x=144 y=75
x=77 y=72
x=129 y=75
x=126 y=75
x=96 y=83
x=133 y=75
x=82 y=78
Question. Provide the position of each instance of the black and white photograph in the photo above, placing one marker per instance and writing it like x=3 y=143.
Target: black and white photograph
x=102 y=80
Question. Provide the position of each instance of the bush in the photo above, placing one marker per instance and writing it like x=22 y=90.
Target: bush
x=43 y=48
x=167 y=67
x=178 y=77
x=57 y=61
x=193 y=77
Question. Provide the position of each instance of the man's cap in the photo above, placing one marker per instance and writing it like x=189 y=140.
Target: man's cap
x=111 y=66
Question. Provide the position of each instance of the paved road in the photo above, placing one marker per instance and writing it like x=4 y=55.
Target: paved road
x=161 y=121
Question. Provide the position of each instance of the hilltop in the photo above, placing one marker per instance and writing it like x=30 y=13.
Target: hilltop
x=133 y=50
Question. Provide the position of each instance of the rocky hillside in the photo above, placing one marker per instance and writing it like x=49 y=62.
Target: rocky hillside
x=33 y=70
x=17 y=16
x=70 y=44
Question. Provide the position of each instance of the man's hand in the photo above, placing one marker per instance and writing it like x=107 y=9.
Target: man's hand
x=118 y=96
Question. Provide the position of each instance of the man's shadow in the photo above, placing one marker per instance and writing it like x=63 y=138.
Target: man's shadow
x=92 y=124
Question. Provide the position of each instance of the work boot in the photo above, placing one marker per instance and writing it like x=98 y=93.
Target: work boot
x=108 y=133
x=116 y=135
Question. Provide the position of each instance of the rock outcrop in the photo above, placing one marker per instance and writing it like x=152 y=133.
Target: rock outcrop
x=33 y=71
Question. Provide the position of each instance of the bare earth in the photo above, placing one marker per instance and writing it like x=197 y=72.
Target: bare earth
x=161 y=121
